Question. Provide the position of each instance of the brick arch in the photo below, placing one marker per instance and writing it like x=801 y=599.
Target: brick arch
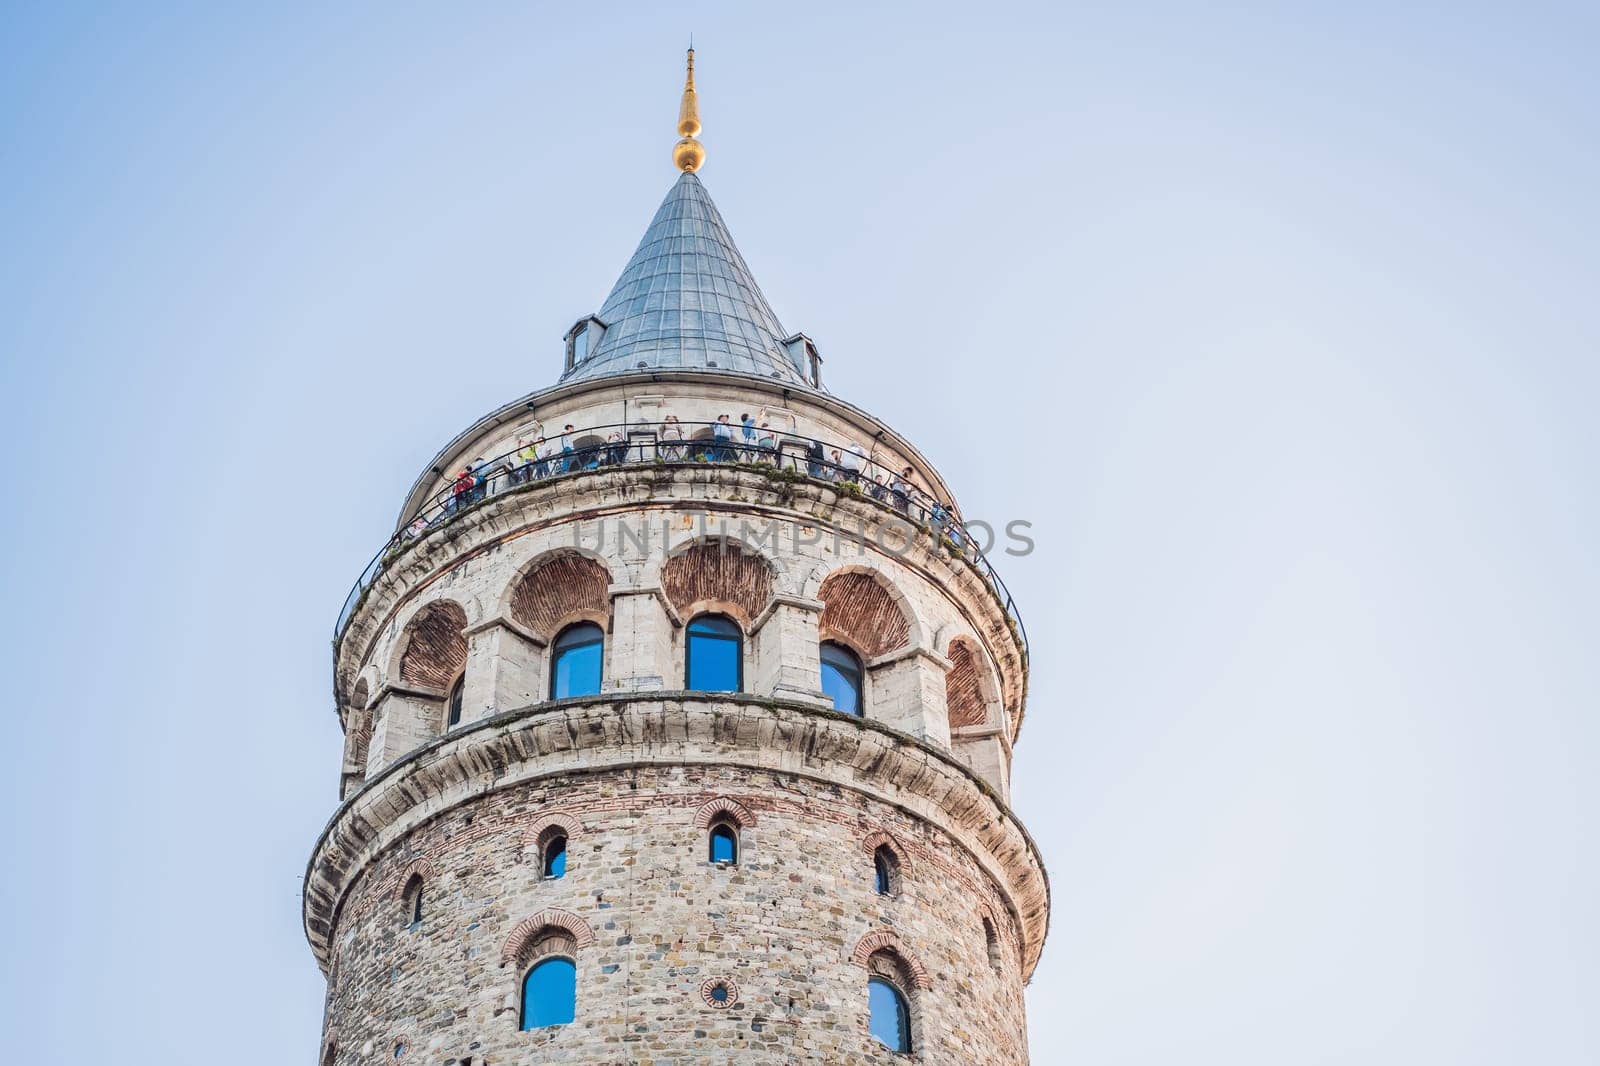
x=528 y=932
x=557 y=588
x=723 y=806
x=886 y=941
x=723 y=576
x=536 y=830
x=435 y=650
x=859 y=607
x=416 y=868
x=996 y=937
x=964 y=700
x=880 y=839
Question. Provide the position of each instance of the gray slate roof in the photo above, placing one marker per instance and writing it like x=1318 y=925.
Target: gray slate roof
x=687 y=300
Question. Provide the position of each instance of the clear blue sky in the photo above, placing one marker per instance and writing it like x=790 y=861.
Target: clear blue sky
x=1278 y=322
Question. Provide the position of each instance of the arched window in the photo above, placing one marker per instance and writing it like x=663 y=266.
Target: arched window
x=453 y=717
x=550 y=993
x=413 y=900
x=885 y=871
x=725 y=844
x=991 y=942
x=715 y=655
x=841 y=677
x=889 y=1015
x=553 y=861
x=575 y=661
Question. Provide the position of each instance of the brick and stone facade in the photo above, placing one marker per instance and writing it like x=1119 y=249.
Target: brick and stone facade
x=678 y=960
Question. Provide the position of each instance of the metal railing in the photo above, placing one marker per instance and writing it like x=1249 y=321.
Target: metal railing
x=695 y=444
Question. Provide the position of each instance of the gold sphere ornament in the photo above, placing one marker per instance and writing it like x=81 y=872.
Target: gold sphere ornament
x=688 y=154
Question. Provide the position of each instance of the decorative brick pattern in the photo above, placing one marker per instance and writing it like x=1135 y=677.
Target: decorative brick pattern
x=536 y=833
x=530 y=931
x=782 y=925
x=563 y=587
x=742 y=816
x=436 y=649
x=887 y=940
x=878 y=839
x=708 y=992
x=720 y=574
x=416 y=868
x=963 y=691
x=858 y=609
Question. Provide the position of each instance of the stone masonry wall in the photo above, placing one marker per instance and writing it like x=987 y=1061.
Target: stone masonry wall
x=782 y=925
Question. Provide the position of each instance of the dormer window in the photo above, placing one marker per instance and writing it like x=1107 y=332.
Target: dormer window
x=582 y=339
x=803 y=354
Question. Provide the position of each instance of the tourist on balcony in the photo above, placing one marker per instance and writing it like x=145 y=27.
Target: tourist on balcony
x=816 y=459
x=671 y=440
x=461 y=491
x=767 y=443
x=836 y=468
x=569 y=457
x=876 y=488
x=722 y=433
x=854 y=458
x=527 y=460
x=481 y=475
x=747 y=427
x=902 y=490
x=616 y=448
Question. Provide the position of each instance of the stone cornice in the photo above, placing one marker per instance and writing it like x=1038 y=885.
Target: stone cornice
x=620 y=731
x=649 y=590
x=785 y=600
x=511 y=625
x=406 y=688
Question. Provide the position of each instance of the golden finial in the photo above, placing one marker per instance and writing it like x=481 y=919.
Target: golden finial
x=689 y=153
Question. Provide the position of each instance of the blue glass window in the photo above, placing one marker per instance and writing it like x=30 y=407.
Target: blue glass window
x=575 y=663
x=724 y=844
x=841 y=677
x=889 y=1015
x=453 y=719
x=883 y=870
x=555 y=857
x=580 y=345
x=715 y=655
x=550 y=994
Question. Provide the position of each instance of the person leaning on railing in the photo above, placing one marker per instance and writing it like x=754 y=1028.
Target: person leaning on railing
x=672 y=440
x=461 y=491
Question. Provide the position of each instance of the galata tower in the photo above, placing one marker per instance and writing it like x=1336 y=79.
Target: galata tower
x=679 y=713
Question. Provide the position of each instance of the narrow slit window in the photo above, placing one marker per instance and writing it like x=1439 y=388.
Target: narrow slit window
x=550 y=994
x=457 y=690
x=724 y=845
x=884 y=870
x=889 y=1015
x=555 y=856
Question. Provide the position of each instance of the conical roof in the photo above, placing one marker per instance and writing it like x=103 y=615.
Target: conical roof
x=686 y=300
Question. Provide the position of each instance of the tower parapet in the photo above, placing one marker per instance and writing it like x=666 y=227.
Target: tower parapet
x=679 y=714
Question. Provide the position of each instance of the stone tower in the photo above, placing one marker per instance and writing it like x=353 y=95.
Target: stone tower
x=672 y=739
